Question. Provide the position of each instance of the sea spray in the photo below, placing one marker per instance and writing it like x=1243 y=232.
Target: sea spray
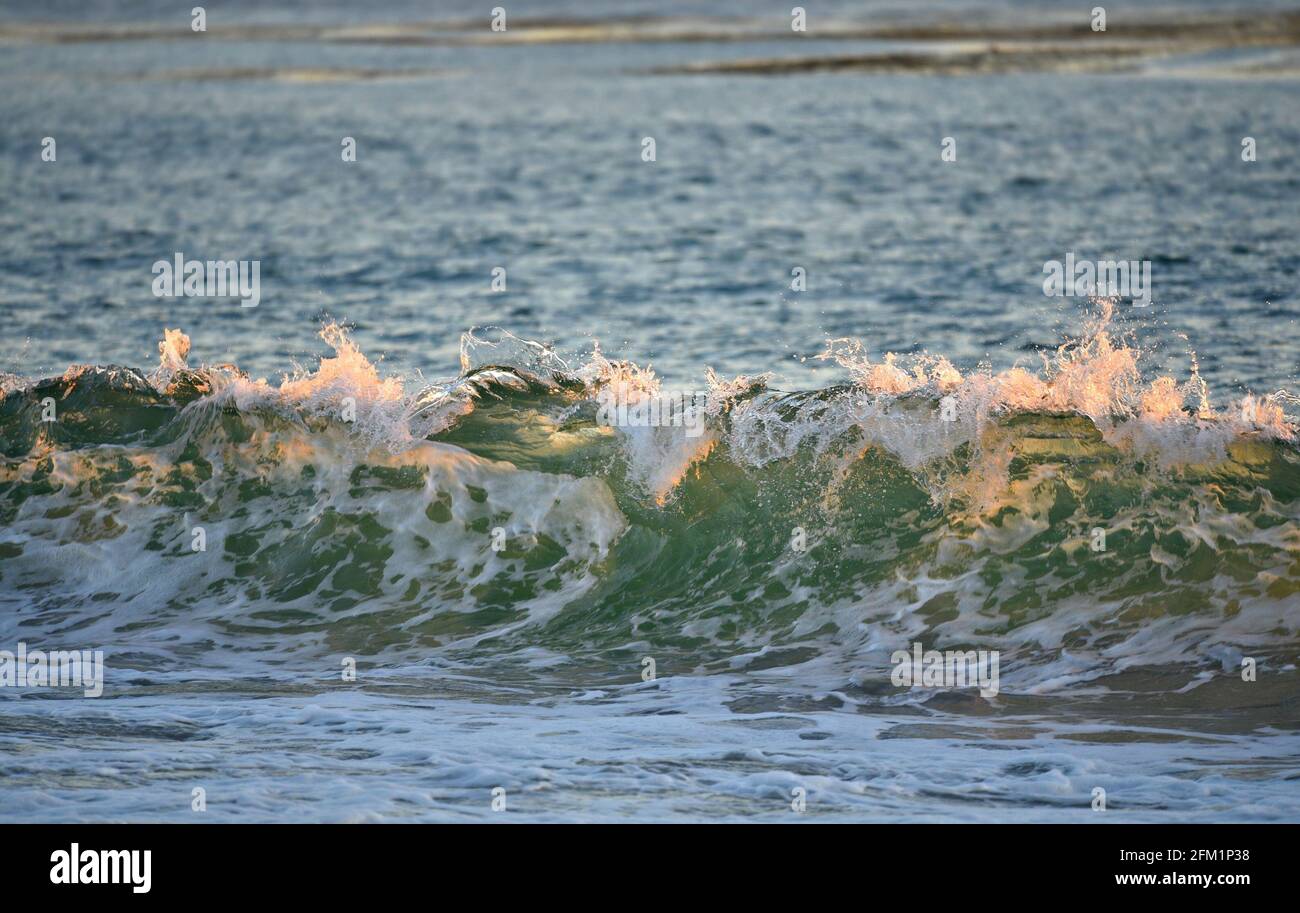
x=493 y=513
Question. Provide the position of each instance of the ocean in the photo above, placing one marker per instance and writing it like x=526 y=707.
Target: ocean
x=634 y=397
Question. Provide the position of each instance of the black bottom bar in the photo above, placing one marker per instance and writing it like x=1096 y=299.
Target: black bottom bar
x=335 y=862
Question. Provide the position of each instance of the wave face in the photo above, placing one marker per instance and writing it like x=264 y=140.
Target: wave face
x=500 y=558
x=1087 y=522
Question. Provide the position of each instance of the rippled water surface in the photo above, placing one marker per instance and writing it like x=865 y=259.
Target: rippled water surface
x=376 y=484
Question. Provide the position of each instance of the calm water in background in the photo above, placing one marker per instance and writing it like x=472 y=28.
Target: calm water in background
x=529 y=158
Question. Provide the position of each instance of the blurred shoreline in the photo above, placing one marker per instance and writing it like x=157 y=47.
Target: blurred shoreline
x=1200 y=29
x=943 y=46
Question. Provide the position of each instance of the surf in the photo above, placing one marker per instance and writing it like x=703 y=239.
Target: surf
x=496 y=513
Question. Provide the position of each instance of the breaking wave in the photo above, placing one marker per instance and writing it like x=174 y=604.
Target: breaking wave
x=1090 y=522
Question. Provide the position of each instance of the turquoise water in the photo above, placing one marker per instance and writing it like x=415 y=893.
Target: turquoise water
x=396 y=467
